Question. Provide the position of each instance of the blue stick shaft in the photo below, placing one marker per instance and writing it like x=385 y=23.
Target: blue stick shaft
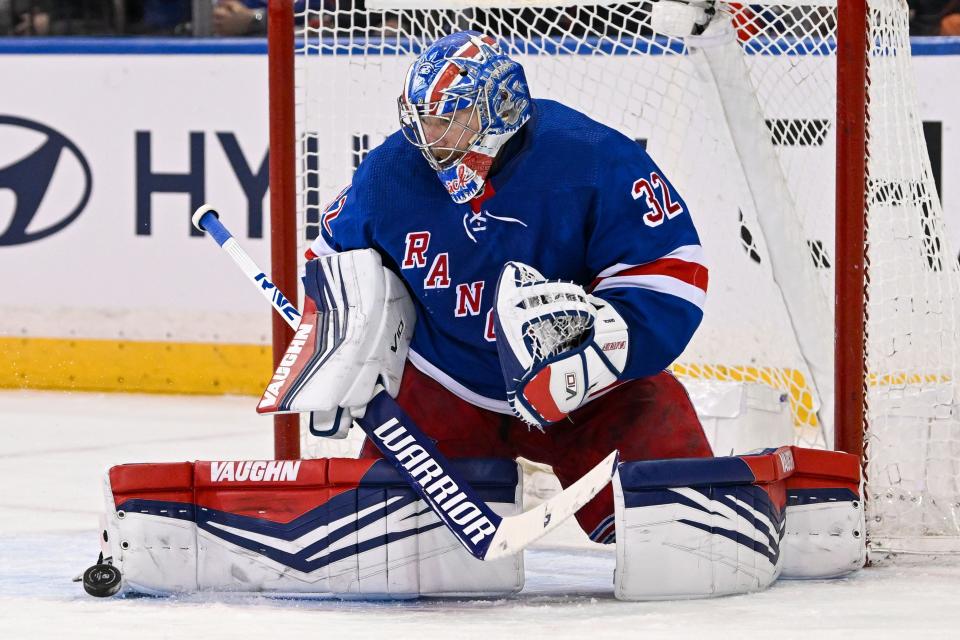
x=206 y=219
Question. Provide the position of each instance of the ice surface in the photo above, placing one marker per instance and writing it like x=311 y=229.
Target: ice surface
x=54 y=447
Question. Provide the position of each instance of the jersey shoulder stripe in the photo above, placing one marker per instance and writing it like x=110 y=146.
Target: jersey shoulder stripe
x=680 y=273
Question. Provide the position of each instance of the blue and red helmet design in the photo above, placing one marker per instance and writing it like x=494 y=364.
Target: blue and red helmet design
x=464 y=84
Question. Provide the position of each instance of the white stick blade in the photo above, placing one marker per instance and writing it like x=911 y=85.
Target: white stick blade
x=517 y=532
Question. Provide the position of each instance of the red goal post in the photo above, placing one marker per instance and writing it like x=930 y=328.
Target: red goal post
x=283 y=192
x=850 y=277
x=806 y=111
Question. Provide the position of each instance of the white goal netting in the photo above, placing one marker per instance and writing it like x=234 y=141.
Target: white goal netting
x=742 y=120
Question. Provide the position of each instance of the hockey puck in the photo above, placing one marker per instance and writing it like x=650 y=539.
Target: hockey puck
x=101 y=580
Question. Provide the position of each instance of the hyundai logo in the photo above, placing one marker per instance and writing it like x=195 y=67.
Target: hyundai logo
x=49 y=178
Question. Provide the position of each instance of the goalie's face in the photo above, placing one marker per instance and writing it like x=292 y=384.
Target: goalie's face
x=449 y=138
x=443 y=139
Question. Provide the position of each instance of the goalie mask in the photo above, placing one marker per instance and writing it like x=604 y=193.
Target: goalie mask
x=463 y=98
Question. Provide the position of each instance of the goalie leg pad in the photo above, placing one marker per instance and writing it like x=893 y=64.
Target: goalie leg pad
x=349 y=528
x=694 y=528
x=825 y=516
x=697 y=528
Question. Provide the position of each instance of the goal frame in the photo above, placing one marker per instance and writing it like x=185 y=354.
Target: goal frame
x=850 y=214
x=850 y=223
x=283 y=199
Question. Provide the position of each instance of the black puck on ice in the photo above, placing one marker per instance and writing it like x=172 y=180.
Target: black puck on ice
x=101 y=580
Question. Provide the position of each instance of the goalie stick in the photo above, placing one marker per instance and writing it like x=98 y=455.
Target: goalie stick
x=482 y=532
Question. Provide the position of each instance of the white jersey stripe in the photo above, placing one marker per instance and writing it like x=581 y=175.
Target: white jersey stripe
x=661 y=284
x=320 y=247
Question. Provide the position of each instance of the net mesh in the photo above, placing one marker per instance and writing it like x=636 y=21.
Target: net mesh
x=607 y=61
x=912 y=443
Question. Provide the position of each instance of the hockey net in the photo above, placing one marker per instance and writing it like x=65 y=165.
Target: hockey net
x=743 y=120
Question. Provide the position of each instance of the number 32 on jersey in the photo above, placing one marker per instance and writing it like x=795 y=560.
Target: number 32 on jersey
x=656 y=192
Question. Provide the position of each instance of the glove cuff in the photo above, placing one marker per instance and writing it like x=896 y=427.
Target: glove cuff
x=609 y=348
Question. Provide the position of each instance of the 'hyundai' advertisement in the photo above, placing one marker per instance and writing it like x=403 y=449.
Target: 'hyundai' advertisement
x=46 y=174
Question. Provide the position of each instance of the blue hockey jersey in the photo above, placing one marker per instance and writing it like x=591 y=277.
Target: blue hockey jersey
x=572 y=198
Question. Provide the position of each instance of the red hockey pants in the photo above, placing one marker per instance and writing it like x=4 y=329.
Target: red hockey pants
x=646 y=419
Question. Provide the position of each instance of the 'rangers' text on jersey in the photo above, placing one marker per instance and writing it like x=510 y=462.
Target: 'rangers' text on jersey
x=573 y=198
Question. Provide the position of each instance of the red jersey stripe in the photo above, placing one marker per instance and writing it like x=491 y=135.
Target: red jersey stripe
x=692 y=273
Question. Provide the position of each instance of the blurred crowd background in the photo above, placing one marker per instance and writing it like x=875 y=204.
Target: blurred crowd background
x=133 y=17
x=248 y=18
